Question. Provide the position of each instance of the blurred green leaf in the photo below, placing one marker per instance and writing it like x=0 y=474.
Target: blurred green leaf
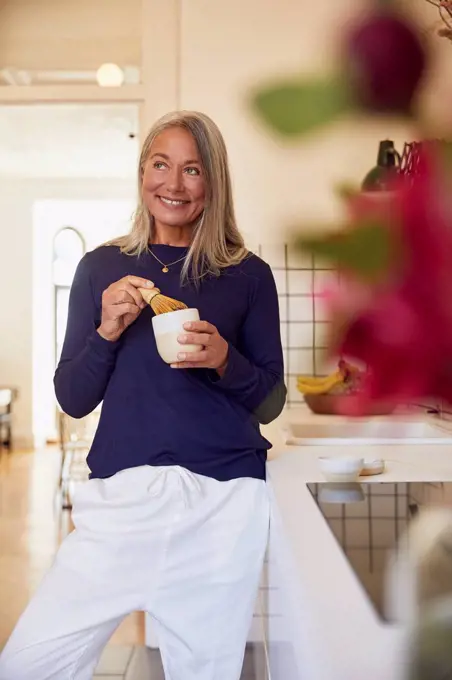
x=299 y=107
x=367 y=250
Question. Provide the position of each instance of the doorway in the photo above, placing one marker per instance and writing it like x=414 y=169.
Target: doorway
x=68 y=184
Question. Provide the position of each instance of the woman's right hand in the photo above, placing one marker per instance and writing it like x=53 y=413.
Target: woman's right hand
x=122 y=303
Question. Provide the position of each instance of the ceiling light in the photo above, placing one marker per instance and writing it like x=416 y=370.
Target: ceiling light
x=110 y=75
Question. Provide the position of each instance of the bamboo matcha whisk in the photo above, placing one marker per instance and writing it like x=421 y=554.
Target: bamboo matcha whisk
x=161 y=304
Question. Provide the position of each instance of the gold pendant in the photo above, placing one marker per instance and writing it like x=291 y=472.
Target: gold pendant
x=165 y=270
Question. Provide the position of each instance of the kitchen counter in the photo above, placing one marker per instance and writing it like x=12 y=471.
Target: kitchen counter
x=319 y=623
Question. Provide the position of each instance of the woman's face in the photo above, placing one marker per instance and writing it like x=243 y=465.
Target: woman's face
x=173 y=180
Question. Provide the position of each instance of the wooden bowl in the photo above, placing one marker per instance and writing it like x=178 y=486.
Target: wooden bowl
x=327 y=405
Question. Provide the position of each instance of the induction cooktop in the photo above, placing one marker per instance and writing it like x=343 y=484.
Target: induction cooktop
x=367 y=520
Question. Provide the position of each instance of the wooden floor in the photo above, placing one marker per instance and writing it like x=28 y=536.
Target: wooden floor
x=31 y=528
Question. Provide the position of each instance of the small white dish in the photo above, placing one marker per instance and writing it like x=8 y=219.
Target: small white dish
x=167 y=328
x=341 y=469
x=373 y=467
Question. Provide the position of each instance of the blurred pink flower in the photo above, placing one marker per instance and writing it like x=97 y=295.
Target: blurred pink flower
x=385 y=59
x=401 y=325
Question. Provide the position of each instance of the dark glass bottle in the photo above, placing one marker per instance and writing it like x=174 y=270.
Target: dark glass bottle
x=380 y=177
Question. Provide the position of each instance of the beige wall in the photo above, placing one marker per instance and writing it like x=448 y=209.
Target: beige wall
x=227 y=49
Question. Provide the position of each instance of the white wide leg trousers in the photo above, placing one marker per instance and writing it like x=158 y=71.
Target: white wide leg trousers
x=183 y=547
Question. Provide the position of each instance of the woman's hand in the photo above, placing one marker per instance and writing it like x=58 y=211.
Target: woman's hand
x=122 y=303
x=215 y=352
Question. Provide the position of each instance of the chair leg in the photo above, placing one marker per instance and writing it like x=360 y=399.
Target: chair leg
x=64 y=483
x=4 y=436
x=9 y=440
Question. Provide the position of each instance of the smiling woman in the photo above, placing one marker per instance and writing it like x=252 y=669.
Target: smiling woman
x=184 y=184
x=173 y=182
x=177 y=498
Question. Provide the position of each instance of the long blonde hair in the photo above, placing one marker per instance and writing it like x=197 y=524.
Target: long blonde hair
x=216 y=241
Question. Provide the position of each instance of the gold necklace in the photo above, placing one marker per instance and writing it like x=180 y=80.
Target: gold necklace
x=165 y=267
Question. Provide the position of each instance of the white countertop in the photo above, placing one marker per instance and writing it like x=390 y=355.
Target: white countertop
x=343 y=638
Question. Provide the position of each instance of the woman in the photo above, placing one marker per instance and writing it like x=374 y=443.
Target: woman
x=174 y=518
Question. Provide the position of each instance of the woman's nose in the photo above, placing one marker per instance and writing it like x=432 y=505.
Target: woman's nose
x=174 y=180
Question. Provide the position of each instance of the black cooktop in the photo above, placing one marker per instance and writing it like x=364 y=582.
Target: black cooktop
x=368 y=520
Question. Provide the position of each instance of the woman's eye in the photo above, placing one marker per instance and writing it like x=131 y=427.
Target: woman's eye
x=192 y=171
x=158 y=165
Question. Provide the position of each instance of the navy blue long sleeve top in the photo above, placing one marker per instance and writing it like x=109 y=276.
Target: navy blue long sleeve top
x=155 y=415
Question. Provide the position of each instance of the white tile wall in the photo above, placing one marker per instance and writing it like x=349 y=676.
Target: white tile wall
x=323 y=364
x=300 y=282
x=358 y=528
x=321 y=334
x=321 y=311
x=300 y=361
x=300 y=334
x=383 y=506
x=302 y=311
x=294 y=396
x=283 y=333
x=280 y=280
x=383 y=532
x=301 y=308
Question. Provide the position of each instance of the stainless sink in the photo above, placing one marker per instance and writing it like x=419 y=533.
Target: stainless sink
x=368 y=431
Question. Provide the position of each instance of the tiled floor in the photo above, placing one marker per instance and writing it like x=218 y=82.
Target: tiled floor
x=141 y=663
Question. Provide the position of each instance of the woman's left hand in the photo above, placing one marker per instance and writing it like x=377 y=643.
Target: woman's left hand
x=215 y=352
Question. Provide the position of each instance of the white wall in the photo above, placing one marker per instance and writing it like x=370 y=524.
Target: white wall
x=69 y=140
x=16 y=276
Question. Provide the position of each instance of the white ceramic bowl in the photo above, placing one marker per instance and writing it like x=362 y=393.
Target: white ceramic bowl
x=341 y=469
x=167 y=328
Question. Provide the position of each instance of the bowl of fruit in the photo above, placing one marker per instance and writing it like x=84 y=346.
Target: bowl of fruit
x=323 y=394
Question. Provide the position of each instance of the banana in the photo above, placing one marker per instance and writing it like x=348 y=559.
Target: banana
x=319 y=385
x=318 y=381
x=314 y=379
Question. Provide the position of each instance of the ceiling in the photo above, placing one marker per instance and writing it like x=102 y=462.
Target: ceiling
x=69 y=140
x=69 y=34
